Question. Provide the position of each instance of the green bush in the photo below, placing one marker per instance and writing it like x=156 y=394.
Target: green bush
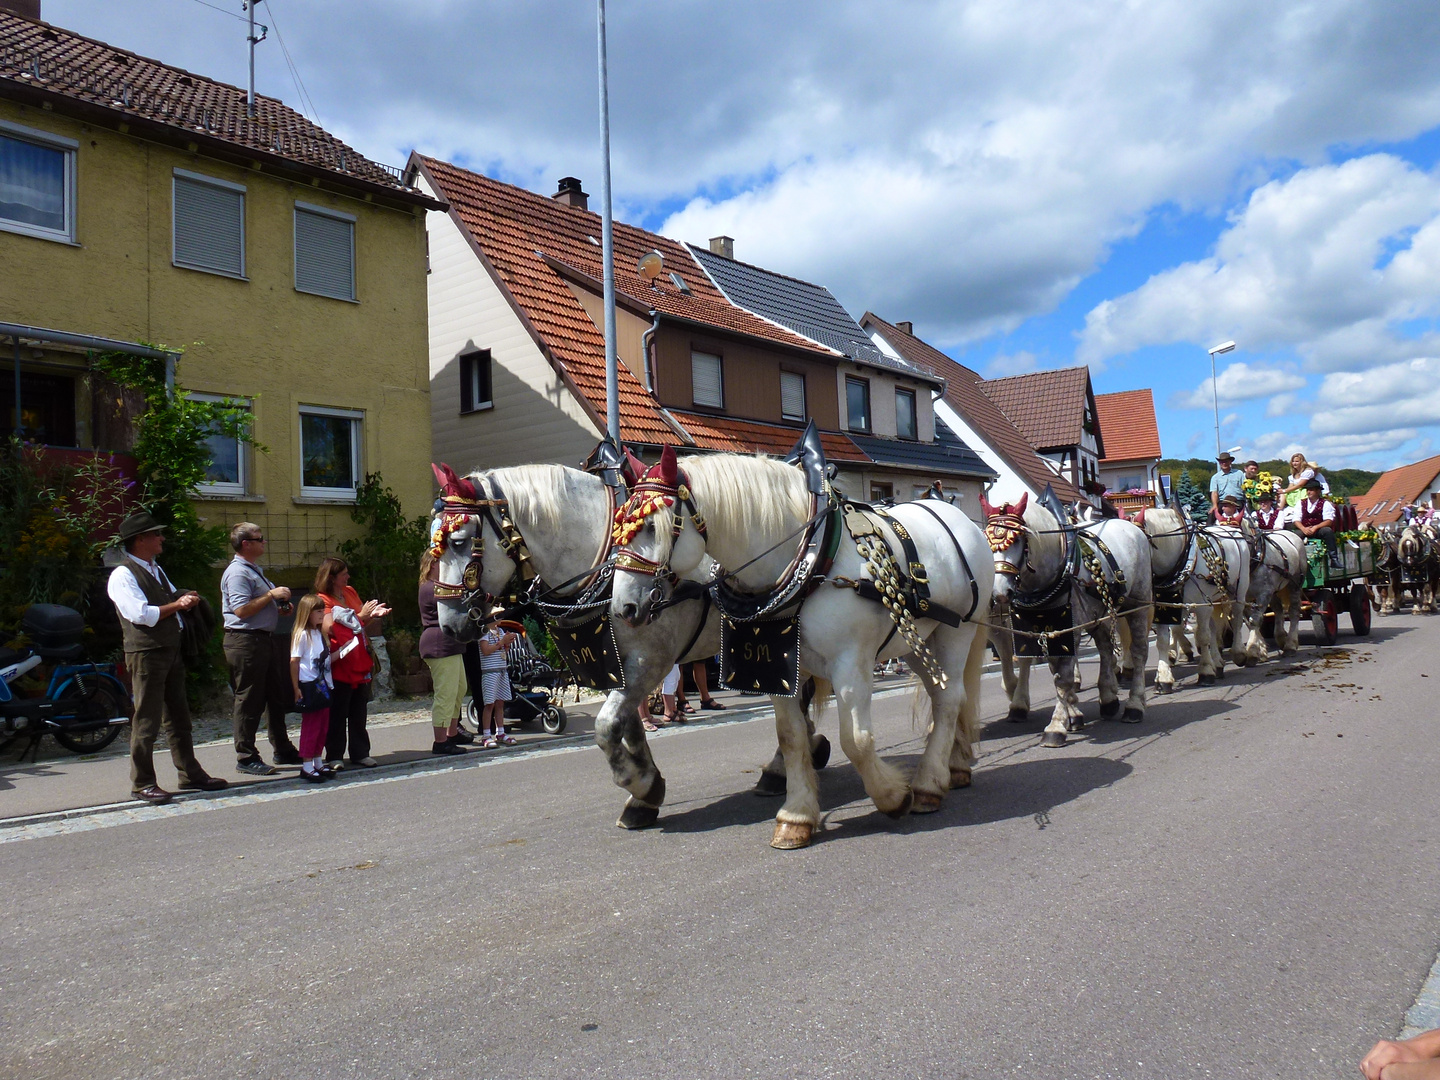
x=385 y=560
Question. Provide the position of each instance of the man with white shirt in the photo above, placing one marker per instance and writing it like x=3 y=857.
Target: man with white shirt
x=1313 y=516
x=150 y=621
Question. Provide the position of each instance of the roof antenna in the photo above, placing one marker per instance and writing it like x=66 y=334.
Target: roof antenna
x=249 y=6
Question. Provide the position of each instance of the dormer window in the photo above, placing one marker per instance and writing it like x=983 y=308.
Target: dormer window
x=906 y=424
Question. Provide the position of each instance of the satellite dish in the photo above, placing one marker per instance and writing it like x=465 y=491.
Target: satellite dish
x=650 y=265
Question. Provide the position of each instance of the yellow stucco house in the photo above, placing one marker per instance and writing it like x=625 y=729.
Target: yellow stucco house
x=143 y=203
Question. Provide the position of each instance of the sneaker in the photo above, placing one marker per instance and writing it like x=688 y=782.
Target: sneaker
x=288 y=755
x=335 y=765
x=255 y=766
x=366 y=763
x=446 y=747
x=463 y=737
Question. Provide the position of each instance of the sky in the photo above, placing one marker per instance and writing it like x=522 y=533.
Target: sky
x=1116 y=183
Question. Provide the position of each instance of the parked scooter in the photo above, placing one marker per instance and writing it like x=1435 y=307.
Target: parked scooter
x=84 y=704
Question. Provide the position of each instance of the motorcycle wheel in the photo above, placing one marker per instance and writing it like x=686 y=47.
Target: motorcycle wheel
x=90 y=710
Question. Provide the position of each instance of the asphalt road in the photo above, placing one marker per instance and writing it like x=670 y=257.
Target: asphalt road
x=1246 y=884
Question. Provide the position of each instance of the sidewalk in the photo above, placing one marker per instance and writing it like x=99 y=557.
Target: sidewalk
x=400 y=735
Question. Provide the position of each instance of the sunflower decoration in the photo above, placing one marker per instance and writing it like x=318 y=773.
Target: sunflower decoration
x=1262 y=483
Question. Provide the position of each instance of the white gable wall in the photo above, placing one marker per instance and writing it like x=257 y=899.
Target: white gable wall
x=535 y=417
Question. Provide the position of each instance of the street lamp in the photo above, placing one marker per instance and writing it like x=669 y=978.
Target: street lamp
x=1223 y=347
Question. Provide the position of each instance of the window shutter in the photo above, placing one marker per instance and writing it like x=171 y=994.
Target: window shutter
x=209 y=227
x=324 y=255
x=792 y=395
x=467 y=382
x=707 y=388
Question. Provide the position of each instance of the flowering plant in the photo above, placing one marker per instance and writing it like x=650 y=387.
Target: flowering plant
x=1262 y=483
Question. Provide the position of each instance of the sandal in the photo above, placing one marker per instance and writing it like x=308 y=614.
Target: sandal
x=505 y=739
x=711 y=706
x=649 y=725
x=489 y=743
x=676 y=719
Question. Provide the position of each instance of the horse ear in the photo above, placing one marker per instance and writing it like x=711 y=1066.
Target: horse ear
x=450 y=484
x=669 y=470
x=986 y=508
x=1019 y=508
x=632 y=469
x=1139 y=517
x=444 y=475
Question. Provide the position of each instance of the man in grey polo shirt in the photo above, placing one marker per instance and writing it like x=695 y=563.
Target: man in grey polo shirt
x=1226 y=482
x=259 y=658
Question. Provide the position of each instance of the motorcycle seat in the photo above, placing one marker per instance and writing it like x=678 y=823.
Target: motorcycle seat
x=65 y=654
x=12 y=656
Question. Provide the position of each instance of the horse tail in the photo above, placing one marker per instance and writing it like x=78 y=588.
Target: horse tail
x=820 y=693
x=974 y=669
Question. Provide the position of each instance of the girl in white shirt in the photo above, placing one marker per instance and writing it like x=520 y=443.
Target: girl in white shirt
x=310 y=664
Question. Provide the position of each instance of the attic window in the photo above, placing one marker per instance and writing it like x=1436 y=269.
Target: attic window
x=679 y=283
x=184 y=80
x=593 y=240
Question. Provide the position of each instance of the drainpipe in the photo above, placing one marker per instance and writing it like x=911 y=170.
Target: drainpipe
x=646 y=340
x=19 y=424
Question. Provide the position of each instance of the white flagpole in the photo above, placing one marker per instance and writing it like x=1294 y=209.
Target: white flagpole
x=607 y=245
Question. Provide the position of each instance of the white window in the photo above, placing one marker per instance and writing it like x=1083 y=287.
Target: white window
x=905 y=423
x=707 y=383
x=329 y=452
x=324 y=252
x=792 y=395
x=37 y=183
x=208 y=222
x=228 y=472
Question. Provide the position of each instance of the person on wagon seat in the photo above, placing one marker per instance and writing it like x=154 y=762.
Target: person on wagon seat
x=1230 y=512
x=1313 y=515
x=1268 y=512
x=1225 y=482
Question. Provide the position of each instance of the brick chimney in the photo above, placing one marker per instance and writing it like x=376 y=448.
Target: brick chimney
x=906 y=328
x=26 y=9
x=570 y=193
x=723 y=245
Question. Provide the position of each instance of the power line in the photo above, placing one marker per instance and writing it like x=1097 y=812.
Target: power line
x=310 y=111
x=216 y=7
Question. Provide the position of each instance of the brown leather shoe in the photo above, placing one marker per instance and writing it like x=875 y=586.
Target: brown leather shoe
x=154 y=795
x=205 y=783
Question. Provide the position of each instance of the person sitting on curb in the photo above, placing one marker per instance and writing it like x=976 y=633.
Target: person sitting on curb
x=1416 y=1058
x=150 y=623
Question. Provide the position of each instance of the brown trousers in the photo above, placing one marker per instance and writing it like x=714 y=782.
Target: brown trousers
x=260 y=677
x=157 y=680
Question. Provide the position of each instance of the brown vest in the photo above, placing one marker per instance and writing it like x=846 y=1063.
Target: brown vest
x=163 y=635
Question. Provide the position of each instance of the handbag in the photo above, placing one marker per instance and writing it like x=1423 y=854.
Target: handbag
x=314 y=696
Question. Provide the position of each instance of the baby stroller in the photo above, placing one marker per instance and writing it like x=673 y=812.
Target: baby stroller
x=537 y=687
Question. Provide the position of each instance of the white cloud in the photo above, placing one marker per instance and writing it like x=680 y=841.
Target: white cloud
x=1333 y=451
x=1282 y=405
x=1239 y=382
x=1012 y=364
x=1407 y=393
x=1328 y=262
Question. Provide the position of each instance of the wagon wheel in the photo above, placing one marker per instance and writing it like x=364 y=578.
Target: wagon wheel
x=1325 y=620
x=1360 y=609
x=554 y=719
x=91 y=712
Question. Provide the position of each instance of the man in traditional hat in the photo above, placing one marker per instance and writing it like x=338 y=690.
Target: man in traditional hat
x=1314 y=515
x=1225 y=482
x=150 y=621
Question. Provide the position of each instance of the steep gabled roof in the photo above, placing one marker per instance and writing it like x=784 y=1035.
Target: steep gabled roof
x=1047 y=406
x=1127 y=425
x=1395 y=490
x=963 y=393
x=532 y=244
x=947 y=454
x=57 y=67
x=755 y=436
x=803 y=306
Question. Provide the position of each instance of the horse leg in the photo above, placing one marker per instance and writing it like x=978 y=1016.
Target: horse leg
x=812 y=701
x=967 y=731
x=1122 y=627
x=1138 y=626
x=1164 y=672
x=1107 y=684
x=1204 y=656
x=1066 y=717
x=622 y=740
x=1014 y=676
x=884 y=783
x=797 y=820
x=951 y=647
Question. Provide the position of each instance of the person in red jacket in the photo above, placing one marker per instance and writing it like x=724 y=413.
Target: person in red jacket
x=347 y=621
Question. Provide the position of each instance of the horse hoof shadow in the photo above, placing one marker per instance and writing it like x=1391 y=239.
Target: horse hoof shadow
x=1017 y=716
x=1132 y=716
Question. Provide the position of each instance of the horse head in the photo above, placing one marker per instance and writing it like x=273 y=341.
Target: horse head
x=652 y=547
x=456 y=550
x=1006 y=533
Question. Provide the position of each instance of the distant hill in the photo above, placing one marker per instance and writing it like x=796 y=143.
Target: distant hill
x=1342 y=481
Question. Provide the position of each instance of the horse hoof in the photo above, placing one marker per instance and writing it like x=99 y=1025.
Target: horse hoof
x=1018 y=716
x=820 y=752
x=959 y=778
x=790 y=835
x=925 y=803
x=769 y=784
x=1109 y=709
x=1205 y=680
x=1132 y=716
x=1053 y=739
x=904 y=808
x=638 y=816
x=1164 y=687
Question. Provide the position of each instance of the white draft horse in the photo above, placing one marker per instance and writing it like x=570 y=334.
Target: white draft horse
x=563 y=517
x=1029 y=547
x=1420 y=564
x=754 y=509
x=1277 y=575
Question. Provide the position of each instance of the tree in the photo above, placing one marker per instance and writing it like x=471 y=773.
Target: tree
x=1191 y=497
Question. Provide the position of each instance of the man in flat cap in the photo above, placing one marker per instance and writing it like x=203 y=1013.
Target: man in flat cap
x=150 y=620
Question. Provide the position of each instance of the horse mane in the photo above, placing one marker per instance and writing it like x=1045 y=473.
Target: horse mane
x=536 y=492
x=747 y=496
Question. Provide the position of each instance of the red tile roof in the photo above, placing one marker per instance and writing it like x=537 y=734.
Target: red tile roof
x=964 y=394
x=1047 y=406
x=51 y=64
x=523 y=236
x=754 y=436
x=1127 y=425
x=1395 y=490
